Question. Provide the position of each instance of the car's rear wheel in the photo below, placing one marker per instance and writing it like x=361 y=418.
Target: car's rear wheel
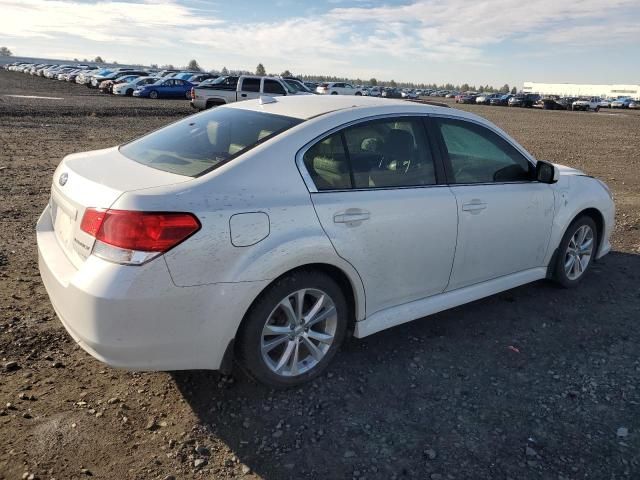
x=293 y=330
x=129 y=92
x=334 y=93
x=153 y=94
x=188 y=95
x=576 y=252
x=358 y=94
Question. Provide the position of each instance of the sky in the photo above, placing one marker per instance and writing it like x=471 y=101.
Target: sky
x=432 y=41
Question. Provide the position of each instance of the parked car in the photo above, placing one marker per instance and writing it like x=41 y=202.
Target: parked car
x=526 y=100
x=467 y=98
x=553 y=103
x=165 y=88
x=337 y=88
x=172 y=252
x=297 y=85
x=96 y=80
x=198 y=78
x=485 y=98
x=621 y=102
x=233 y=89
x=635 y=104
x=127 y=88
x=391 y=93
x=107 y=85
x=586 y=104
x=501 y=100
x=311 y=86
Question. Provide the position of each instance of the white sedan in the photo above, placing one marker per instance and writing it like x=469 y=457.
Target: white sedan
x=128 y=88
x=338 y=88
x=263 y=231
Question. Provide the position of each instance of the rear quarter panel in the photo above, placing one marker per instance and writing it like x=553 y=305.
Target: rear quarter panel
x=263 y=180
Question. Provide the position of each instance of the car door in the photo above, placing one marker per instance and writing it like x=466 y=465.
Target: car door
x=273 y=88
x=375 y=189
x=505 y=217
x=250 y=88
x=166 y=89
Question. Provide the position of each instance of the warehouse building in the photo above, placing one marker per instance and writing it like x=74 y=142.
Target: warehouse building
x=582 y=90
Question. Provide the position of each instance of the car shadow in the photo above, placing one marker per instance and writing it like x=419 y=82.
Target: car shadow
x=458 y=395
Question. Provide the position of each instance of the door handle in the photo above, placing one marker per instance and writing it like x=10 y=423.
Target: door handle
x=474 y=206
x=351 y=216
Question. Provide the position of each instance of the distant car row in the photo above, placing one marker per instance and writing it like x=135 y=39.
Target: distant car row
x=550 y=102
x=206 y=90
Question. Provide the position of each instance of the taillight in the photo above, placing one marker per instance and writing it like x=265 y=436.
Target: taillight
x=193 y=93
x=133 y=237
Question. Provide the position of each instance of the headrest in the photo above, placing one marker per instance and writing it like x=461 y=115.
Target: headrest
x=398 y=143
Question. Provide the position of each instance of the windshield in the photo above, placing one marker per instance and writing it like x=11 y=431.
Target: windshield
x=201 y=143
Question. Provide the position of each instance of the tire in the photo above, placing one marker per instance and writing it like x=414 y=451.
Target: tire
x=153 y=94
x=274 y=368
x=188 y=95
x=566 y=276
x=129 y=92
x=358 y=94
x=334 y=93
x=597 y=109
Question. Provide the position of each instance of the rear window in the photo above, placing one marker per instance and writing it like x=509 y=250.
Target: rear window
x=203 y=142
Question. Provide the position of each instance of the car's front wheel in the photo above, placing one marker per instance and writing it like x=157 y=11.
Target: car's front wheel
x=293 y=330
x=576 y=252
x=153 y=94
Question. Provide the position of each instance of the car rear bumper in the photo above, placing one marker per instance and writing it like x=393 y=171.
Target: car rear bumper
x=135 y=317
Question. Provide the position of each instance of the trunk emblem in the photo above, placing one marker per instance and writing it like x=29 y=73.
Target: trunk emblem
x=62 y=180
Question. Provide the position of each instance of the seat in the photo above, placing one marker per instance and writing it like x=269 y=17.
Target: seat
x=331 y=172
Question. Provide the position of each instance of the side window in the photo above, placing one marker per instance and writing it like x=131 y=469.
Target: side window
x=271 y=86
x=179 y=82
x=478 y=155
x=390 y=153
x=168 y=83
x=327 y=164
x=251 y=85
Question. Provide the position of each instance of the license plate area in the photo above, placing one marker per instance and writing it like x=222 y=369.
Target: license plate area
x=63 y=218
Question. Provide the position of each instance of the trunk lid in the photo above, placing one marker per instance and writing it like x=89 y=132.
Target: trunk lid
x=95 y=179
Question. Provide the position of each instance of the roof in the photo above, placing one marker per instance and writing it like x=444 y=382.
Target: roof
x=308 y=106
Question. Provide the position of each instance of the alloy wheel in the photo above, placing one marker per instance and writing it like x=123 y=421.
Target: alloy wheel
x=578 y=253
x=299 y=332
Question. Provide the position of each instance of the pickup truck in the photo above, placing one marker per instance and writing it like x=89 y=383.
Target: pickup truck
x=230 y=89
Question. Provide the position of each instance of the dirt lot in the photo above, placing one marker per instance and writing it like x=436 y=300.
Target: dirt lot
x=536 y=382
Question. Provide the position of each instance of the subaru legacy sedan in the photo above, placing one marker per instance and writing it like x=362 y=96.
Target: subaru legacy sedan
x=263 y=231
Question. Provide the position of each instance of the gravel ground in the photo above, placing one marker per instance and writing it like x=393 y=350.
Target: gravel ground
x=537 y=382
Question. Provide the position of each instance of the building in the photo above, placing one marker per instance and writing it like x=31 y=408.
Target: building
x=582 y=90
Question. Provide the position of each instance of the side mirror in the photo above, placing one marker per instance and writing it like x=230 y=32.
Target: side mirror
x=547 y=172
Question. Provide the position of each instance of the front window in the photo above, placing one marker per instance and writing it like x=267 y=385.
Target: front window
x=478 y=155
x=272 y=86
x=201 y=143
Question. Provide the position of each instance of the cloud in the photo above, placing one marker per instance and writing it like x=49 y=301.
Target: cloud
x=348 y=38
x=105 y=21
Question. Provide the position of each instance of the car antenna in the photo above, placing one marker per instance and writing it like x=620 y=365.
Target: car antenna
x=265 y=99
